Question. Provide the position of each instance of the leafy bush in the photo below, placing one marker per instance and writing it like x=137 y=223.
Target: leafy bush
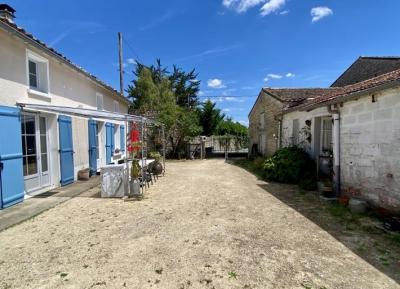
x=291 y=165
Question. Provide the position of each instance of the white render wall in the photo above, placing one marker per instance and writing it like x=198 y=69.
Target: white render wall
x=67 y=88
x=370 y=148
x=302 y=116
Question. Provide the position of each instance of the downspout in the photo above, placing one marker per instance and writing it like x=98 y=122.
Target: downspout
x=336 y=149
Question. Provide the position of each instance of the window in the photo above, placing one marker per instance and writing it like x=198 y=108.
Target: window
x=28 y=129
x=326 y=135
x=99 y=101
x=43 y=144
x=116 y=106
x=117 y=139
x=98 y=128
x=37 y=74
x=33 y=77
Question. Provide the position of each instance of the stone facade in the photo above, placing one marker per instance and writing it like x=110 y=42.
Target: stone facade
x=369 y=145
x=266 y=138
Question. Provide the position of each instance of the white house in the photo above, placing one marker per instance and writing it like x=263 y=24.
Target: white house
x=359 y=126
x=40 y=149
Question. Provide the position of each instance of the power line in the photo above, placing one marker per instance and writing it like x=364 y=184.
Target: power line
x=227 y=96
x=132 y=50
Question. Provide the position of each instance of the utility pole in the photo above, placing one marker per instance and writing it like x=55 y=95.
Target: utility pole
x=121 y=67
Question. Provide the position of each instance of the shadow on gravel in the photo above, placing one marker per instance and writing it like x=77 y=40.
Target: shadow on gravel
x=358 y=233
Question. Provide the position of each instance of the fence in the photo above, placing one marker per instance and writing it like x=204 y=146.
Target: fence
x=218 y=146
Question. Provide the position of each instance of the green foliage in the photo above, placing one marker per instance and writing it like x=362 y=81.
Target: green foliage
x=289 y=165
x=229 y=127
x=186 y=87
x=210 y=117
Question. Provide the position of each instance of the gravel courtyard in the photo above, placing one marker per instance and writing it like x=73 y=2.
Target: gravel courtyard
x=206 y=224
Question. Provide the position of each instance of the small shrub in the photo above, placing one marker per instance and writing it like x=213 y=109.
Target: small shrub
x=291 y=165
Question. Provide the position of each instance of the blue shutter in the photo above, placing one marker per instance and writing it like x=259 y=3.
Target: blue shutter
x=109 y=142
x=122 y=137
x=112 y=139
x=11 y=169
x=66 y=150
x=92 y=147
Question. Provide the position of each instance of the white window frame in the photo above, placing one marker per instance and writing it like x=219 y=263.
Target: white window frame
x=116 y=106
x=34 y=57
x=321 y=143
x=117 y=139
x=99 y=95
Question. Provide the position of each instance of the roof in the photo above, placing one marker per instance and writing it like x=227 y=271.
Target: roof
x=41 y=45
x=341 y=94
x=367 y=67
x=292 y=97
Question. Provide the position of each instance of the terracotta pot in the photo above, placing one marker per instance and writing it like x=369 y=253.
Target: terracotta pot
x=344 y=200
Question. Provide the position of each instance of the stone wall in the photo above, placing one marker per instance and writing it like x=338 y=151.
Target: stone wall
x=370 y=148
x=270 y=107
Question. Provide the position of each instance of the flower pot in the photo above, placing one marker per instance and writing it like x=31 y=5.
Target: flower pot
x=134 y=188
x=84 y=175
x=157 y=168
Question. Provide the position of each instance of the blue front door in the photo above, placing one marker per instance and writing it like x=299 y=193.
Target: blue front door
x=66 y=150
x=109 y=142
x=11 y=166
x=92 y=147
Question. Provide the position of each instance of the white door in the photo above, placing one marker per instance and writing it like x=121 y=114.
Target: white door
x=34 y=132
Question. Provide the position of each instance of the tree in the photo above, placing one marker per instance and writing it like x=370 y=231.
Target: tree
x=186 y=86
x=210 y=117
x=229 y=127
x=144 y=93
x=153 y=93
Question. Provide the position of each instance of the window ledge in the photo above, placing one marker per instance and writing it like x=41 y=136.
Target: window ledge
x=39 y=93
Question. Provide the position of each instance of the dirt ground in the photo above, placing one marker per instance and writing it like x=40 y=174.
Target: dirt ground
x=206 y=224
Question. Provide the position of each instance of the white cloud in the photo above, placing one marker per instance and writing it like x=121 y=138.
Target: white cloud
x=289 y=74
x=131 y=61
x=274 y=76
x=242 y=6
x=266 y=79
x=285 y=12
x=272 y=6
x=215 y=83
x=318 y=13
x=227 y=110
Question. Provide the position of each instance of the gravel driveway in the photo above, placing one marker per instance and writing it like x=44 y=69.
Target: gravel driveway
x=206 y=224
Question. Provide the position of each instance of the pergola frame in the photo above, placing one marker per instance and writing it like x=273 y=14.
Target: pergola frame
x=104 y=115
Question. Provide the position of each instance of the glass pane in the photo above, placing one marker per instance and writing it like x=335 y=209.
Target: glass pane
x=22 y=124
x=29 y=124
x=42 y=125
x=31 y=145
x=32 y=165
x=33 y=80
x=44 y=163
x=43 y=144
x=23 y=145
x=32 y=67
x=25 y=166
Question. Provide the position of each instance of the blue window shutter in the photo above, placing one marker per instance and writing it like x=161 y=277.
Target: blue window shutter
x=92 y=147
x=11 y=169
x=66 y=149
x=122 y=137
x=112 y=139
x=109 y=137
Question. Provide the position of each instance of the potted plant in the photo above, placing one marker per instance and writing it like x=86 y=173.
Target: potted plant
x=156 y=167
x=133 y=148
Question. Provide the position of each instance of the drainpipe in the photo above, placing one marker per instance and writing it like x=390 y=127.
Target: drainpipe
x=336 y=149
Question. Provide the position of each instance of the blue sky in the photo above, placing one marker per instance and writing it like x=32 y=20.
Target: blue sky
x=237 y=46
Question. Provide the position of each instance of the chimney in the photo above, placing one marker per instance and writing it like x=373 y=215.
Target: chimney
x=7 y=13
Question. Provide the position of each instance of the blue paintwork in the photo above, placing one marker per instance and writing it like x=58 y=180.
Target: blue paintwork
x=11 y=168
x=66 y=150
x=92 y=147
x=122 y=136
x=109 y=142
